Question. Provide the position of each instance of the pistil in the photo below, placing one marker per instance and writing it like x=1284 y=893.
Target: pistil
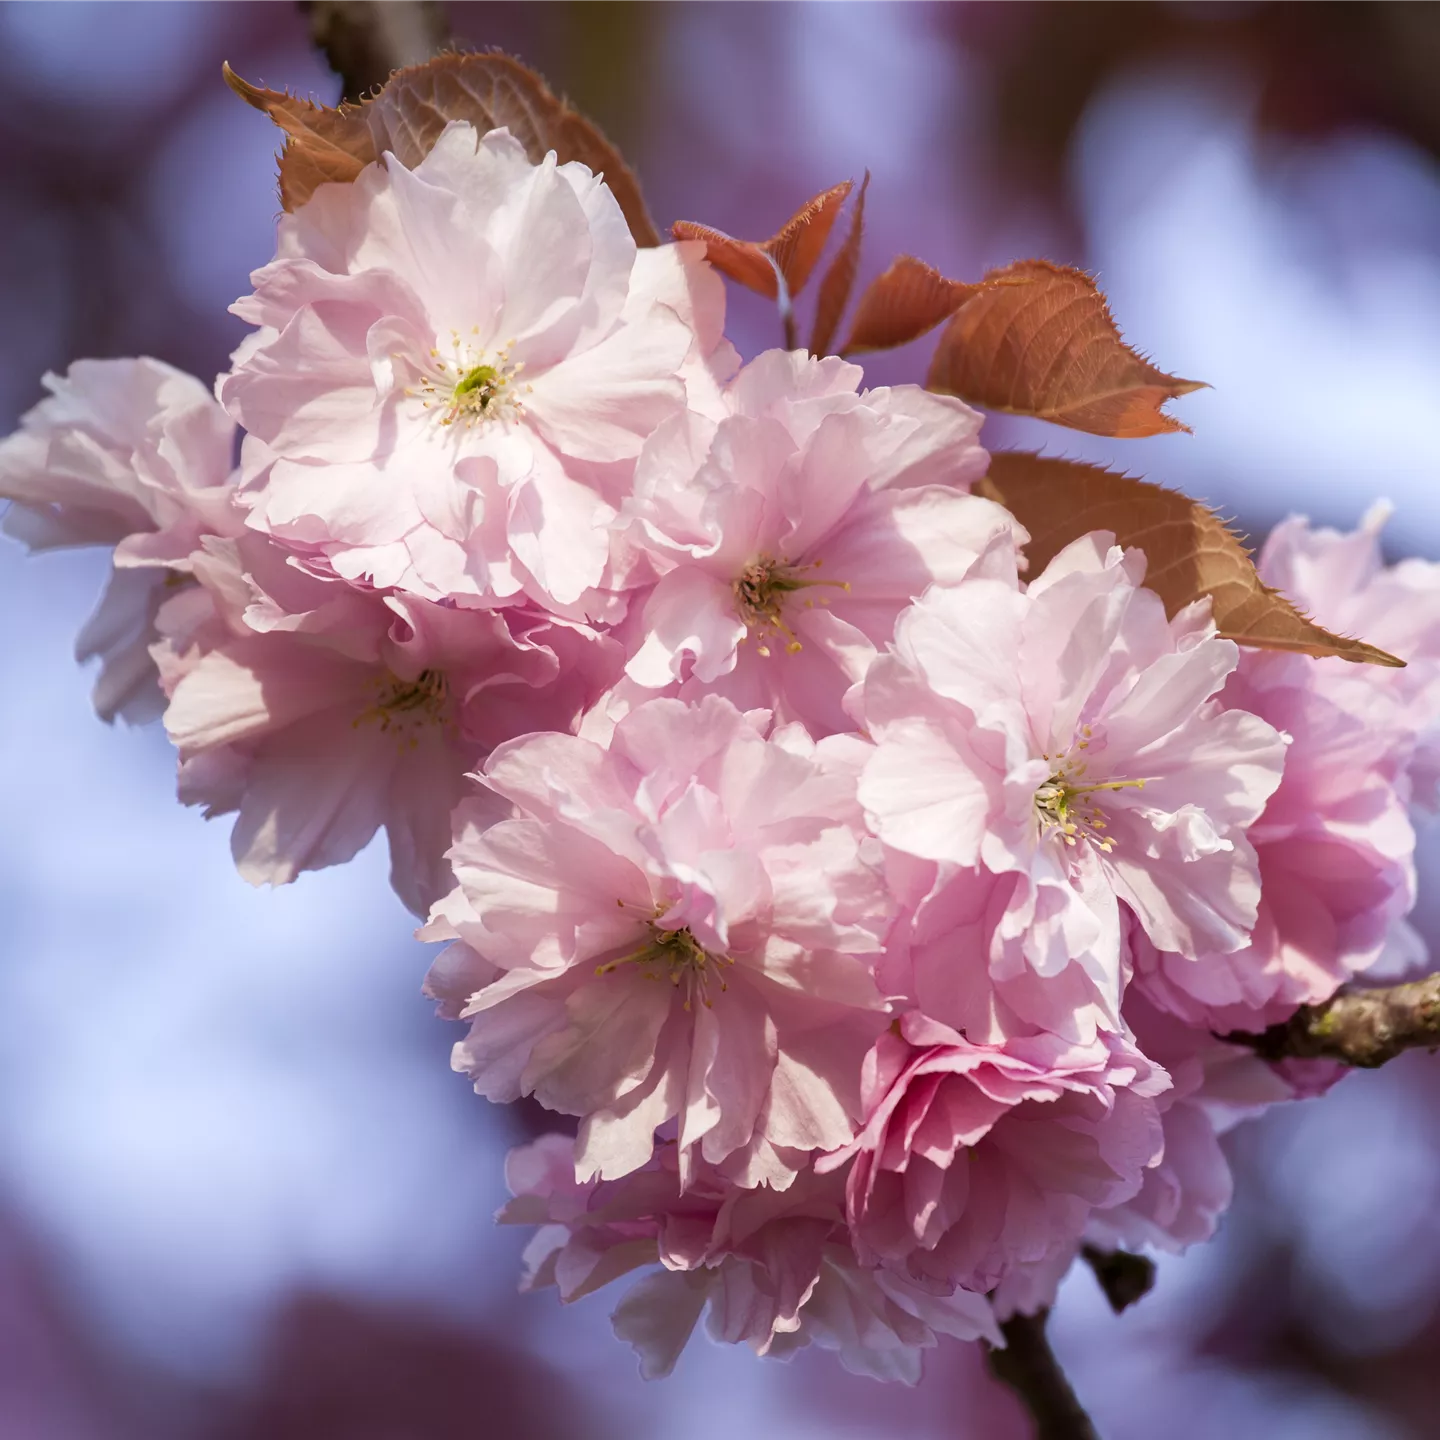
x=470 y=385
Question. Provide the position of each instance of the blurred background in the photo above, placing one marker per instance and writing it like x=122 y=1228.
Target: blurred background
x=241 y=1194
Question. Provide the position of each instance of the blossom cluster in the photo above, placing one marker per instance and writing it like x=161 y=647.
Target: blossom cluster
x=869 y=901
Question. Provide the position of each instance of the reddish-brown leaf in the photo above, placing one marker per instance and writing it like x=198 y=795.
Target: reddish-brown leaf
x=745 y=262
x=790 y=254
x=321 y=145
x=416 y=104
x=1047 y=346
x=1189 y=550
x=839 y=278
x=900 y=305
x=798 y=245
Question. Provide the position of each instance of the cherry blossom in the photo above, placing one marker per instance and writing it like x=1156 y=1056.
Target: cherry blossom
x=773 y=1269
x=1065 y=736
x=975 y=1159
x=134 y=455
x=456 y=367
x=790 y=535
x=679 y=927
x=1335 y=849
x=321 y=713
x=1342 y=579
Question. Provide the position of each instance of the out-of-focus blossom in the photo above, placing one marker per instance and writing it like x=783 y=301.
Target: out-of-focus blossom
x=976 y=1159
x=681 y=927
x=321 y=713
x=1335 y=848
x=1064 y=737
x=1335 y=844
x=135 y=455
x=456 y=367
x=1344 y=582
x=774 y=1268
x=790 y=535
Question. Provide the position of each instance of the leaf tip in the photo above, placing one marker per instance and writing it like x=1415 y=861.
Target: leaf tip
x=250 y=94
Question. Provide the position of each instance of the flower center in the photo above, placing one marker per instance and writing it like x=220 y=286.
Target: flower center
x=678 y=955
x=408 y=706
x=469 y=384
x=760 y=595
x=1065 y=802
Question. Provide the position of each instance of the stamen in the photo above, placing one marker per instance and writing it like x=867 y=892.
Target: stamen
x=408 y=706
x=760 y=595
x=471 y=385
x=1063 y=802
x=678 y=956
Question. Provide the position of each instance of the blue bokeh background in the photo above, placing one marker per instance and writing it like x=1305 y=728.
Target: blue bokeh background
x=241 y=1194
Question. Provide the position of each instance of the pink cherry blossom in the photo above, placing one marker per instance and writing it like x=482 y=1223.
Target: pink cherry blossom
x=1065 y=735
x=455 y=369
x=1343 y=581
x=1335 y=846
x=681 y=927
x=134 y=455
x=938 y=959
x=975 y=1159
x=774 y=1269
x=1335 y=849
x=321 y=713
x=1180 y=1199
x=790 y=535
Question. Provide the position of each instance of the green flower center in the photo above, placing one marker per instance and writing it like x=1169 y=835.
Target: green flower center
x=477 y=387
x=469 y=385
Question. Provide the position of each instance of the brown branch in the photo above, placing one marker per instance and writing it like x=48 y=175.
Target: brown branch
x=365 y=41
x=1029 y=1367
x=1359 y=1027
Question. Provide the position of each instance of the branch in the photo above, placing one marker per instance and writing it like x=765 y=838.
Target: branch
x=1029 y=1367
x=1361 y=1027
x=364 y=41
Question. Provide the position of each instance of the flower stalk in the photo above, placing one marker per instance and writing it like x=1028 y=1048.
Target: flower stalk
x=1028 y=1366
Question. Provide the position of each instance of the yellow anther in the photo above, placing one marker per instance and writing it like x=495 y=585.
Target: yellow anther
x=761 y=593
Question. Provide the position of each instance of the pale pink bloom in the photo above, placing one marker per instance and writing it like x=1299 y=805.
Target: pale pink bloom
x=977 y=1158
x=1343 y=581
x=1335 y=849
x=456 y=367
x=773 y=1269
x=1033 y=1285
x=134 y=455
x=789 y=536
x=1181 y=1199
x=938 y=959
x=679 y=927
x=1215 y=1086
x=321 y=713
x=1066 y=735
x=1335 y=845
